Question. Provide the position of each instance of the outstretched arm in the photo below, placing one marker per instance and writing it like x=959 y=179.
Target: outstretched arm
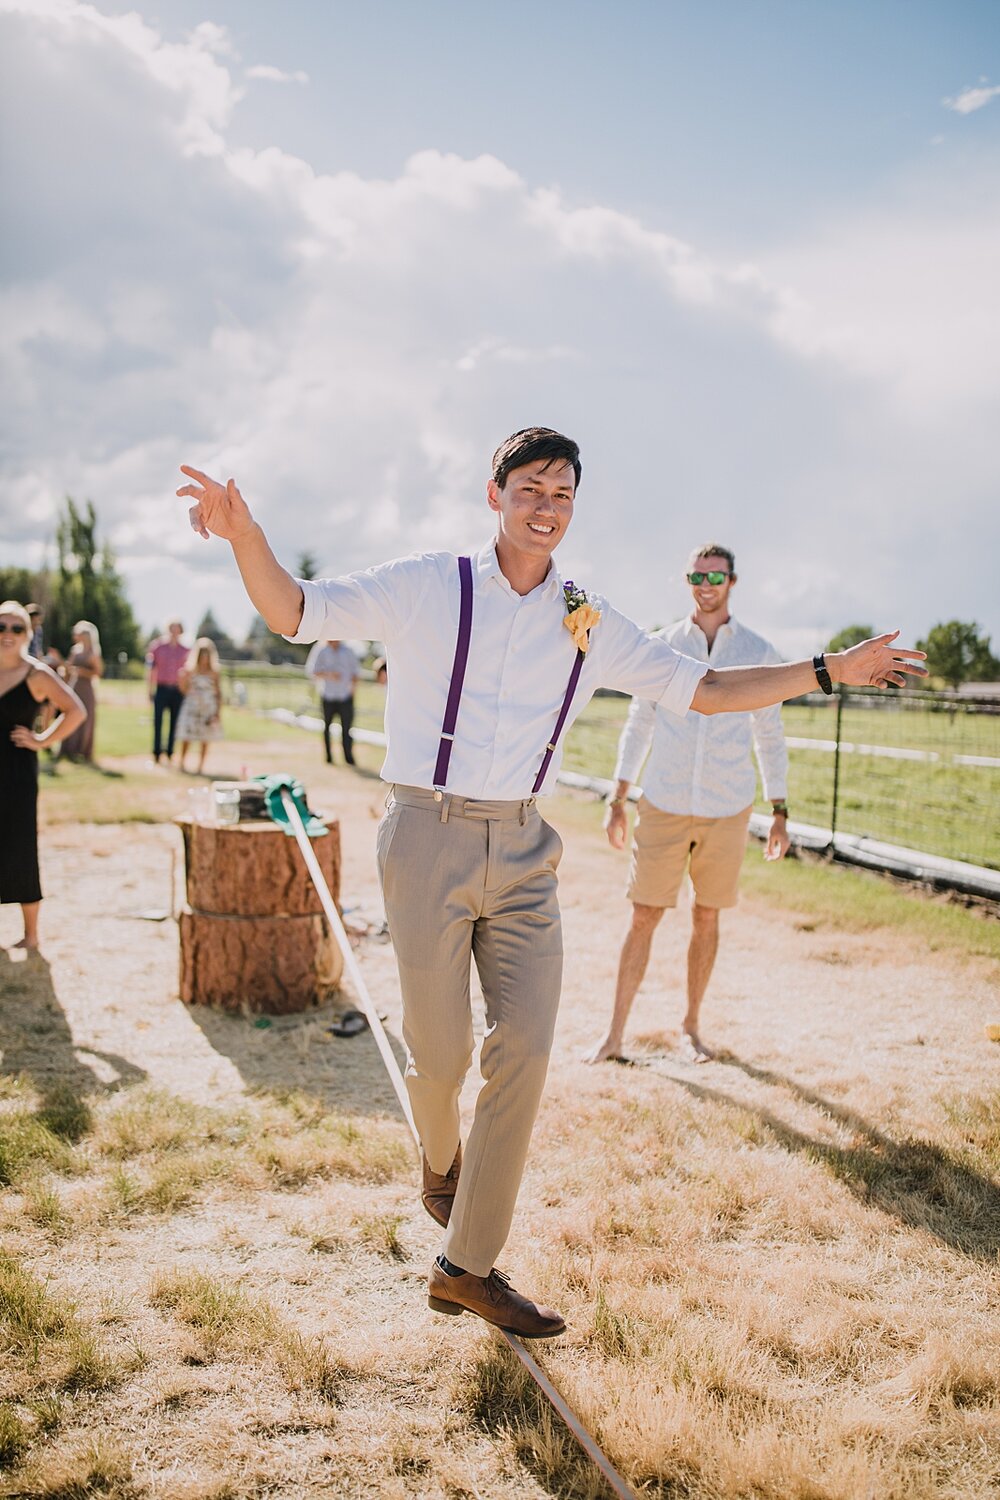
x=220 y=510
x=875 y=663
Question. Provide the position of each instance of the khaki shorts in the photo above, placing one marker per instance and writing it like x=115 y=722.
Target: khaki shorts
x=663 y=843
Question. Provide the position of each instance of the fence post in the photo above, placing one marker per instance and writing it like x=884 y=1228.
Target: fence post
x=836 y=767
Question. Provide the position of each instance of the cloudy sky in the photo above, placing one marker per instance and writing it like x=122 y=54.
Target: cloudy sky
x=746 y=254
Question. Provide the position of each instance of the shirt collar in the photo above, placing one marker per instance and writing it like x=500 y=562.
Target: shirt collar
x=487 y=565
x=691 y=625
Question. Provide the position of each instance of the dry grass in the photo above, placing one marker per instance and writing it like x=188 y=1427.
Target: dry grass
x=779 y=1272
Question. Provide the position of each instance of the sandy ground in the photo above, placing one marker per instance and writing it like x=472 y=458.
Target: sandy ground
x=865 y=1014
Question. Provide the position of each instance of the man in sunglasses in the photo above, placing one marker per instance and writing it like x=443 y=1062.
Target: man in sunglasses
x=698 y=790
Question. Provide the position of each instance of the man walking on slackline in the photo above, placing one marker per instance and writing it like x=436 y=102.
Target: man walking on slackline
x=490 y=660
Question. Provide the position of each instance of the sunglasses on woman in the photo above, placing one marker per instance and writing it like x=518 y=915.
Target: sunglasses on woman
x=14 y=629
x=713 y=578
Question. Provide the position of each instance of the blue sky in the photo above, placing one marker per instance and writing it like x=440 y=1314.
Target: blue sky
x=745 y=253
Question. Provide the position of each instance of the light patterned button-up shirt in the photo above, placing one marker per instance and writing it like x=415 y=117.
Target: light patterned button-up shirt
x=700 y=764
x=520 y=660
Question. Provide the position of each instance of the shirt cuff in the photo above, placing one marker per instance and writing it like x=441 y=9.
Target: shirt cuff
x=775 y=791
x=676 y=696
x=629 y=764
x=311 y=623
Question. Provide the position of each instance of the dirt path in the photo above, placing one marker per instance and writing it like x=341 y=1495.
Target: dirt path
x=867 y=1016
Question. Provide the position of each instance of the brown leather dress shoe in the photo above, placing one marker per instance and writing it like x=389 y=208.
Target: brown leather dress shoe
x=439 y=1192
x=492 y=1297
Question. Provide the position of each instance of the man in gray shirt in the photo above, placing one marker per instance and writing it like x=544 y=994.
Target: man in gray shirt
x=334 y=668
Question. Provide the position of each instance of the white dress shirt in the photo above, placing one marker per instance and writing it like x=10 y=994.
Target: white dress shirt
x=700 y=764
x=520 y=660
x=339 y=659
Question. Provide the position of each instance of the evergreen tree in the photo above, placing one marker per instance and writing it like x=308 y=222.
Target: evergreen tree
x=210 y=627
x=86 y=585
x=264 y=645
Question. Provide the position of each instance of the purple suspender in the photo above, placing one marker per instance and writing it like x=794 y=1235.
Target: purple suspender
x=458 y=680
x=457 y=674
x=574 y=678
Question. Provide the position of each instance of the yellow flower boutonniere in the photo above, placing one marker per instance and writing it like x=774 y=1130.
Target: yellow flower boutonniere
x=581 y=614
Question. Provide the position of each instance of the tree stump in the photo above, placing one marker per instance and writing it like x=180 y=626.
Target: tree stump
x=253 y=936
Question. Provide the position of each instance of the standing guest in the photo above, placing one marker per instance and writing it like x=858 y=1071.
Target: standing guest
x=698 y=790
x=84 y=665
x=25 y=684
x=334 y=668
x=36 y=614
x=490 y=657
x=201 y=712
x=165 y=660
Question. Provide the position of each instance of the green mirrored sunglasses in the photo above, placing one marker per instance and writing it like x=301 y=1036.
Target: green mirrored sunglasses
x=713 y=578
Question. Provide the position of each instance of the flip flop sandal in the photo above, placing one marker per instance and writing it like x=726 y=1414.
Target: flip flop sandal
x=350 y=1023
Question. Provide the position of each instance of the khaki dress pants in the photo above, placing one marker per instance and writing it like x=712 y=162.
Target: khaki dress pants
x=466 y=880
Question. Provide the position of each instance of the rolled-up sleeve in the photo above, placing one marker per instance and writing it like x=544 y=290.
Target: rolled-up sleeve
x=644 y=665
x=367 y=606
x=769 y=744
x=636 y=738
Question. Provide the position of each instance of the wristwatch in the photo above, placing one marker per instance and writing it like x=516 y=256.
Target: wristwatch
x=822 y=675
x=779 y=808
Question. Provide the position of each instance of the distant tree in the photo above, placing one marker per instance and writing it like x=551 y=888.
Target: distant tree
x=851 y=635
x=210 y=627
x=86 y=585
x=23 y=585
x=263 y=644
x=959 y=651
x=306 y=564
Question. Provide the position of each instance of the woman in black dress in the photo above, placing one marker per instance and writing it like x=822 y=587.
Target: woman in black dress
x=25 y=685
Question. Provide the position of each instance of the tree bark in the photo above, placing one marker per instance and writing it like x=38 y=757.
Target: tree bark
x=255 y=869
x=276 y=965
x=253 y=936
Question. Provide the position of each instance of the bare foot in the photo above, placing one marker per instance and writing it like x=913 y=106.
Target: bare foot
x=693 y=1049
x=607 y=1051
x=28 y=946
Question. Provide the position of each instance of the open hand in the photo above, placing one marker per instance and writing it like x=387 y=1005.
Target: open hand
x=877 y=663
x=219 y=510
x=616 y=825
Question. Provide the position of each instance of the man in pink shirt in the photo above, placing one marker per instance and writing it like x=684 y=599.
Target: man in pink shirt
x=164 y=659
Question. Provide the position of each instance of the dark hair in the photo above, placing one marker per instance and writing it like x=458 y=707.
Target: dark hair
x=713 y=549
x=531 y=444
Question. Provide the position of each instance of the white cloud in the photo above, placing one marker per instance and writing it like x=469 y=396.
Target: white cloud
x=276 y=75
x=352 y=349
x=971 y=99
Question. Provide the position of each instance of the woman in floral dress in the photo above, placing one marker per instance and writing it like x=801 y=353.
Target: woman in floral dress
x=200 y=718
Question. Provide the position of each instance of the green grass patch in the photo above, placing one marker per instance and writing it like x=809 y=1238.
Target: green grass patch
x=27 y=1143
x=44 y=1343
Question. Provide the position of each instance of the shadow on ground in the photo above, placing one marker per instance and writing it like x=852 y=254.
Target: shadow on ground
x=912 y=1180
x=36 y=1042
x=298 y=1053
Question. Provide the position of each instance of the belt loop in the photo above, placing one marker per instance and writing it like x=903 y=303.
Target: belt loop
x=445 y=806
x=524 y=814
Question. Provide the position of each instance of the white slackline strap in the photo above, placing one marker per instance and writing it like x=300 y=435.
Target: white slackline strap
x=576 y=1427
x=344 y=944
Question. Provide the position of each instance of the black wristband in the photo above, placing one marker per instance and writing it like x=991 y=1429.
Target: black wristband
x=822 y=675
